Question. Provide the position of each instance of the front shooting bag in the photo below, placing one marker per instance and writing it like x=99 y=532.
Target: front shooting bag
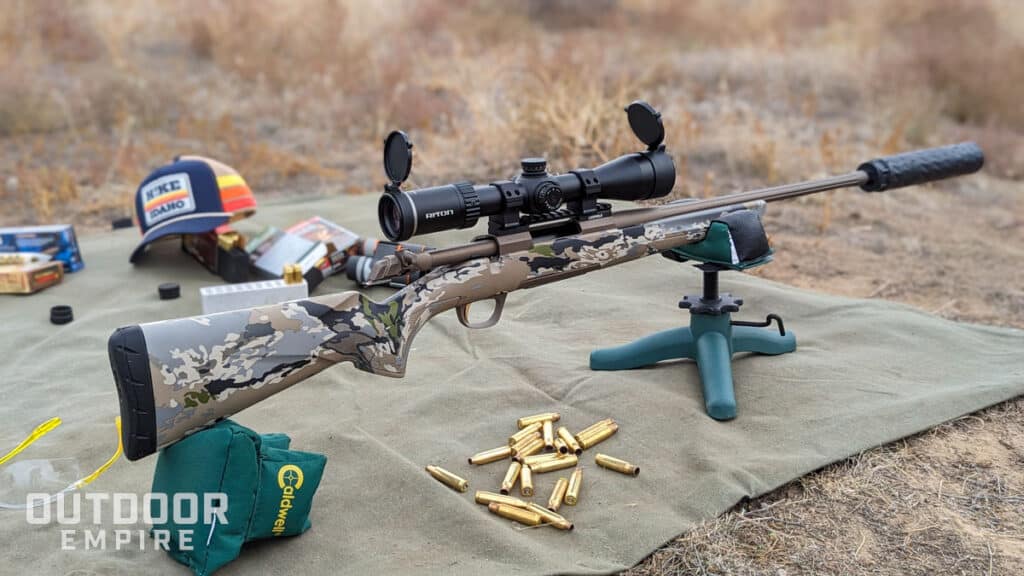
x=241 y=486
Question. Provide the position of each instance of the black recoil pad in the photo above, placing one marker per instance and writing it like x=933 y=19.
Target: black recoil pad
x=129 y=361
x=922 y=166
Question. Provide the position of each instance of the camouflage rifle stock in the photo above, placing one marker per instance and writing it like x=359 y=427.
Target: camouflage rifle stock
x=177 y=376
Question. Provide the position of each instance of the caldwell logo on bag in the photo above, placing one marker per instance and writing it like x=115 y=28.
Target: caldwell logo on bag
x=289 y=479
x=192 y=195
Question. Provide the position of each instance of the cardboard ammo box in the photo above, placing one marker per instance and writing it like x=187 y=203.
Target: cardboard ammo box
x=29 y=278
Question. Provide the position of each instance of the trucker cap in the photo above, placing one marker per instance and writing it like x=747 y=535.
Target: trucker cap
x=191 y=195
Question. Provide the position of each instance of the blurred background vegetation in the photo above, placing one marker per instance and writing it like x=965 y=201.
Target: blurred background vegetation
x=297 y=94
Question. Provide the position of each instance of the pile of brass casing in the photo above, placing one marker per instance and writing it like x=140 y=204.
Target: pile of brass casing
x=612 y=463
x=448 y=479
x=526 y=449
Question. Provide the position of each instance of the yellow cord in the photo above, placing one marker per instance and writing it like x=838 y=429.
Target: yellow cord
x=88 y=479
x=38 y=433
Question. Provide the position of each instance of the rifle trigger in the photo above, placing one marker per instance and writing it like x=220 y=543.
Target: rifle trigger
x=462 y=311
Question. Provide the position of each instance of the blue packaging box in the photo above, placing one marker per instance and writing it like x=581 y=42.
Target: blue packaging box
x=58 y=240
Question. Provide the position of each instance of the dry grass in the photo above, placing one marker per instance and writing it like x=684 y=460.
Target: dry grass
x=297 y=94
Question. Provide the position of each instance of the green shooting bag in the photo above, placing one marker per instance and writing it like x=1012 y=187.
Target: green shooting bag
x=228 y=485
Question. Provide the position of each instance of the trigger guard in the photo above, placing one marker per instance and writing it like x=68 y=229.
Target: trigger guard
x=462 y=311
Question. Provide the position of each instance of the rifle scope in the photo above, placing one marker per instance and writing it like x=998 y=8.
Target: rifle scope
x=535 y=195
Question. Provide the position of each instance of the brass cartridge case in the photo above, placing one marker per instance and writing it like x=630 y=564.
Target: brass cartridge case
x=549 y=517
x=486 y=498
x=601 y=435
x=537 y=458
x=510 y=478
x=594 y=427
x=560 y=446
x=548 y=433
x=524 y=433
x=570 y=442
x=567 y=461
x=448 y=479
x=572 y=493
x=557 y=495
x=521 y=515
x=493 y=455
x=612 y=463
x=526 y=481
x=527 y=447
x=527 y=420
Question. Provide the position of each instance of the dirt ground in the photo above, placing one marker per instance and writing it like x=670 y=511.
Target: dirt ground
x=297 y=95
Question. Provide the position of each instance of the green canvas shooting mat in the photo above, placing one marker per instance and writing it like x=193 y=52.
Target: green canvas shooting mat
x=864 y=373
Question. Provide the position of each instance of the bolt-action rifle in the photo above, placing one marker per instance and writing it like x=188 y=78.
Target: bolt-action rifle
x=178 y=376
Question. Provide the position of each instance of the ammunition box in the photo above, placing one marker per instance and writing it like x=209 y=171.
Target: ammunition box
x=493 y=455
x=612 y=463
x=524 y=433
x=486 y=498
x=521 y=515
x=558 y=494
x=546 y=416
x=527 y=448
x=570 y=442
x=549 y=517
x=30 y=278
x=567 y=461
x=572 y=493
x=548 y=433
x=526 y=481
x=510 y=478
x=448 y=479
x=221 y=251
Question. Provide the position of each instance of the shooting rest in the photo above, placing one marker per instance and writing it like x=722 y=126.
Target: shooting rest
x=735 y=241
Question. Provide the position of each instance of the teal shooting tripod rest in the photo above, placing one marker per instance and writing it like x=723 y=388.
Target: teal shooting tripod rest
x=735 y=241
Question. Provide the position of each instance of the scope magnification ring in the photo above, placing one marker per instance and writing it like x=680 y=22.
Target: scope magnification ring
x=470 y=203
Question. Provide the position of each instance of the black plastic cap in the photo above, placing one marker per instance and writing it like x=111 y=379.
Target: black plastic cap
x=397 y=157
x=646 y=123
x=61 y=314
x=169 y=291
x=129 y=361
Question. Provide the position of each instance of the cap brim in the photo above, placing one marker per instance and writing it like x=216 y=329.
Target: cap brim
x=197 y=224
